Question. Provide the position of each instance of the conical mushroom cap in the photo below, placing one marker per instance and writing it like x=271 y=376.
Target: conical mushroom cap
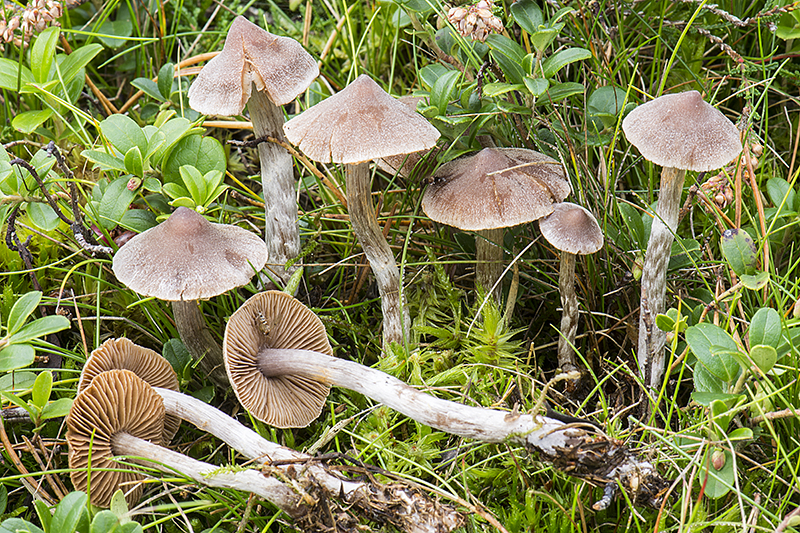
x=187 y=257
x=115 y=402
x=572 y=228
x=682 y=131
x=274 y=320
x=404 y=164
x=277 y=65
x=360 y=123
x=495 y=188
x=122 y=354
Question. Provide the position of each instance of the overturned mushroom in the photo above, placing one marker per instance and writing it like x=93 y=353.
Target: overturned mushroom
x=265 y=72
x=353 y=127
x=574 y=231
x=187 y=258
x=573 y=449
x=680 y=132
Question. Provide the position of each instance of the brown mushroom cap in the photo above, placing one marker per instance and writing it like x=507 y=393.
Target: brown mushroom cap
x=116 y=401
x=359 y=123
x=495 y=188
x=404 y=164
x=188 y=258
x=572 y=228
x=277 y=65
x=682 y=131
x=273 y=319
x=122 y=354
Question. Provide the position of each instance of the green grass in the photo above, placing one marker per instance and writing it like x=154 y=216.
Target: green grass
x=644 y=49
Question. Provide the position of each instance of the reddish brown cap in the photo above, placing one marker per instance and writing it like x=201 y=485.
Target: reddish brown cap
x=122 y=354
x=682 y=131
x=360 y=123
x=115 y=402
x=495 y=188
x=572 y=228
x=276 y=65
x=189 y=258
x=273 y=319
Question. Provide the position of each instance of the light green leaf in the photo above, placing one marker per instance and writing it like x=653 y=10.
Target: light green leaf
x=115 y=202
x=739 y=250
x=203 y=153
x=104 y=160
x=134 y=163
x=536 y=86
x=764 y=356
x=28 y=121
x=701 y=338
x=148 y=87
x=41 y=389
x=124 y=133
x=16 y=356
x=10 y=75
x=719 y=481
x=43 y=52
x=68 y=512
x=71 y=66
x=194 y=182
x=40 y=327
x=562 y=58
x=21 y=310
x=756 y=282
x=17 y=525
x=56 y=409
x=765 y=327
x=173 y=190
x=43 y=216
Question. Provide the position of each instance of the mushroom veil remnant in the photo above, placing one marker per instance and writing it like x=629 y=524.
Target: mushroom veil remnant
x=264 y=71
x=679 y=132
x=187 y=258
x=353 y=127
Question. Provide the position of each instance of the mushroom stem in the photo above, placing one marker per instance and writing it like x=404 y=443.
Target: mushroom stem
x=376 y=249
x=569 y=314
x=489 y=259
x=198 y=340
x=277 y=179
x=654 y=276
x=273 y=490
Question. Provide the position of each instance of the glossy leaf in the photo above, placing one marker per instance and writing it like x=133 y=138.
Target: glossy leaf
x=115 y=202
x=21 y=310
x=560 y=91
x=68 y=512
x=739 y=251
x=203 y=153
x=16 y=356
x=43 y=53
x=536 y=86
x=702 y=338
x=42 y=388
x=104 y=160
x=527 y=15
x=509 y=55
x=124 y=133
x=765 y=327
x=56 y=409
x=72 y=64
x=28 y=121
x=148 y=87
x=134 y=162
x=40 y=327
x=562 y=58
x=165 y=76
x=17 y=525
x=11 y=76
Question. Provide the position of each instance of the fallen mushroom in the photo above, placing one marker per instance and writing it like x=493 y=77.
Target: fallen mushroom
x=247 y=347
x=279 y=70
x=187 y=258
x=679 y=132
x=353 y=127
x=492 y=190
x=574 y=231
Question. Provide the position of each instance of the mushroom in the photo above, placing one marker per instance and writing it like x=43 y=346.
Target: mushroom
x=491 y=190
x=187 y=258
x=679 y=132
x=279 y=69
x=403 y=165
x=574 y=231
x=123 y=354
x=119 y=414
x=353 y=127
x=565 y=444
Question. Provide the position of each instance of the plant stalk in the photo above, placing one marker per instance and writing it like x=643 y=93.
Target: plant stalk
x=489 y=260
x=569 y=314
x=198 y=340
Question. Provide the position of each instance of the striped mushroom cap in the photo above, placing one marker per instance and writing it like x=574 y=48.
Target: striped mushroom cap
x=274 y=320
x=495 y=188
x=115 y=402
x=573 y=229
x=276 y=65
x=682 y=131
x=123 y=354
x=187 y=257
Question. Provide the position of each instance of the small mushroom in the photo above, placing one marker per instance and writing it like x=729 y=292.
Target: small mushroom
x=574 y=231
x=353 y=127
x=187 y=258
x=119 y=414
x=122 y=354
x=404 y=165
x=264 y=71
x=680 y=132
x=491 y=190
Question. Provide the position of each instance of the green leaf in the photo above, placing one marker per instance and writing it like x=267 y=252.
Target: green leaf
x=19 y=402
x=45 y=516
x=498 y=88
x=174 y=130
x=562 y=58
x=173 y=190
x=124 y=133
x=10 y=75
x=104 y=160
x=536 y=86
x=56 y=409
x=43 y=52
x=28 y=121
x=739 y=251
x=179 y=357
x=430 y=73
x=42 y=388
x=705 y=398
x=719 y=481
x=17 y=525
x=119 y=506
x=148 y=87
x=165 y=76
x=527 y=15
x=765 y=327
x=543 y=37
x=665 y=323
x=119 y=29
x=633 y=221
x=755 y=283
x=68 y=512
x=105 y=522
x=509 y=55
x=134 y=163
x=115 y=202
x=741 y=434
x=40 y=327
x=725 y=363
x=559 y=91
x=203 y=153
x=43 y=216
x=72 y=64
x=194 y=182
x=764 y=356
x=138 y=220
x=21 y=310
x=701 y=338
x=16 y=356
x=781 y=192
x=443 y=89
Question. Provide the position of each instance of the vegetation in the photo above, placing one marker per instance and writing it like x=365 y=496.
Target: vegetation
x=100 y=143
